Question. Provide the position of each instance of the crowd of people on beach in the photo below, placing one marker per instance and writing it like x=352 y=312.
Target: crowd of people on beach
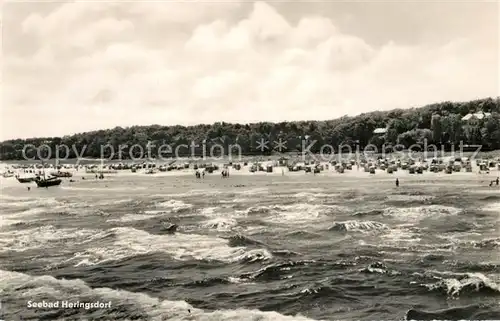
x=198 y=174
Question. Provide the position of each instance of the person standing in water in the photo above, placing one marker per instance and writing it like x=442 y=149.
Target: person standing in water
x=397 y=182
x=498 y=179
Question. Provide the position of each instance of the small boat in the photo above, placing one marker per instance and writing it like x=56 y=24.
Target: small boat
x=47 y=182
x=7 y=174
x=61 y=174
x=25 y=179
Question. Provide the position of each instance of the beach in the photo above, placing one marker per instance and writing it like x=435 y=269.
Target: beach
x=253 y=246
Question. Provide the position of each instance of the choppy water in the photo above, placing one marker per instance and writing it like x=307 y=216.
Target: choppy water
x=295 y=248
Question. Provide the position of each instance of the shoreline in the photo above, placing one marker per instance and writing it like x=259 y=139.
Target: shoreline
x=281 y=171
x=251 y=158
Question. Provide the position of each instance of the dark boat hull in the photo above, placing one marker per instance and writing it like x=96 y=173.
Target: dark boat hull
x=48 y=183
x=61 y=174
x=25 y=180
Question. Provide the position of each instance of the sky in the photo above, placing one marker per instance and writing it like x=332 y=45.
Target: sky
x=70 y=67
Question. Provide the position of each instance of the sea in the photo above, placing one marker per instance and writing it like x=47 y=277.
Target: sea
x=251 y=247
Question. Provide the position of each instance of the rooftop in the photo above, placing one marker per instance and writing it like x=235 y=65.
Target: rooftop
x=380 y=131
x=479 y=115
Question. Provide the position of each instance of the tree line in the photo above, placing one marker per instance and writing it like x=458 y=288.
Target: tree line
x=440 y=124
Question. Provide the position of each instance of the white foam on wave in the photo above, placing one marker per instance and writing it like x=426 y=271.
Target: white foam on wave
x=15 y=218
x=493 y=207
x=295 y=213
x=255 y=255
x=221 y=212
x=36 y=287
x=455 y=284
x=312 y=196
x=193 y=192
x=208 y=211
x=173 y=205
x=115 y=201
x=359 y=226
x=410 y=198
x=235 y=200
x=220 y=224
x=310 y=190
x=401 y=236
x=134 y=217
x=7 y=201
x=421 y=212
x=253 y=191
x=30 y=212
x=130 y=242
x=43 y=237
x=5 y=197
x=104 y=188
x=7 y=222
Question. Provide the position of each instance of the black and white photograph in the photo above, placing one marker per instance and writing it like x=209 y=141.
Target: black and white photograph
x=240 y=160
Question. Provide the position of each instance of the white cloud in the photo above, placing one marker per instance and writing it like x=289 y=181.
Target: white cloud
x=95 y=69
x=265 y=22
x=311 y=31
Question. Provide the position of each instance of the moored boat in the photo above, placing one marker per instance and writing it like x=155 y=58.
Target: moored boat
x=47 y=182
x=25 y=179
x=61 y=174
x=8 y=174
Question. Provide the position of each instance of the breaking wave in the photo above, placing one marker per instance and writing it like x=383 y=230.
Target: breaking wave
x=220 y=224
x=462 y=284
x=43 y=237
x=422 y=212
x=130 y=242
x=173 y=205
x=18 y=286
x=358 y=226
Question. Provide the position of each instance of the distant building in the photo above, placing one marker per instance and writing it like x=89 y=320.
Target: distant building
x=475 y=116
x=470 y=123
x=380 y=131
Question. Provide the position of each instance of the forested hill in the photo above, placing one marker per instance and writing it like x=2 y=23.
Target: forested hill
x=439 y=123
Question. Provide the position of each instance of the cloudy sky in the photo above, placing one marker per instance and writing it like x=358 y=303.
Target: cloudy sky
x=76 y=66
